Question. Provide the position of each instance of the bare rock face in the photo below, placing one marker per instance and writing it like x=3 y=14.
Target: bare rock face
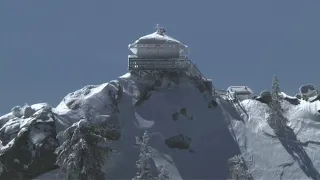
x=28 y=144
x=28 y=111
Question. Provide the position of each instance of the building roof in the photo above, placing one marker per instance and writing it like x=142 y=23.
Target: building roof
x=158 y=37
x=240 y=89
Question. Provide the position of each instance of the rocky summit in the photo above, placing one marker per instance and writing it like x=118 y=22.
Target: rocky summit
x=162 y=127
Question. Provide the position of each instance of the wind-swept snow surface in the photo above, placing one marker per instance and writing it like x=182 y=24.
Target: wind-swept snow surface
x=270 y=157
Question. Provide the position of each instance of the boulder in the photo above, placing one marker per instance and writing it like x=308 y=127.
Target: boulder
x=309 y=92
x=28 y=112
x=265 y=97
x=178 y=142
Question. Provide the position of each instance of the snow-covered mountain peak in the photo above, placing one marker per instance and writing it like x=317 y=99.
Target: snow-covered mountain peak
x=192 y=134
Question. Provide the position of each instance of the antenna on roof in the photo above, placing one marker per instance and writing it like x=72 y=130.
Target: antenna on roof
x=160 y=30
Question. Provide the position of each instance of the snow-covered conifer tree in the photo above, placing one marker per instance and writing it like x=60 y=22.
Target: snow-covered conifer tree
x=163 y=174
x=2 y=168
x=275 y=93
x=143 y=165
x=237 y=168
x=276 y=120
x=84 y=151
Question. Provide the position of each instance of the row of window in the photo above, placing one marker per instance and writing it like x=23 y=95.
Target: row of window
x=152 y=67
x=157 y=62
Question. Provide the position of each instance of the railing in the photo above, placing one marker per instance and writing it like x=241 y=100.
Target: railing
x=194 y=67
x=135 y=63
x=153 y=45
x=221 y=92
x=217 y=91
x=157 y=64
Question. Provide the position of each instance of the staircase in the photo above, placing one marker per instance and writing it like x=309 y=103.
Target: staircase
x=194 y=70
x=216 y=92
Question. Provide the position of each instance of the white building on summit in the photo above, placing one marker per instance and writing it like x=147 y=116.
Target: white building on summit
x=158 y=51
x=159 y=45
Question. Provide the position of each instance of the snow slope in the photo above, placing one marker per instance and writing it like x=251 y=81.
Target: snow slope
x=211 y=129
x=265 y=156
x=211 y=143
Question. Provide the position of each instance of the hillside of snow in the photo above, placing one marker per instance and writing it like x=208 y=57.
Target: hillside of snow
x=193 y=135
x=269 y=157
x=178 y=111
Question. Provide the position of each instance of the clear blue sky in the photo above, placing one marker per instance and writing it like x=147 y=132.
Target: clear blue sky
x=51 y=48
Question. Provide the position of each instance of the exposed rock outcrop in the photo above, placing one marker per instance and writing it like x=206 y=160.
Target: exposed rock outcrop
x=28 y=144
